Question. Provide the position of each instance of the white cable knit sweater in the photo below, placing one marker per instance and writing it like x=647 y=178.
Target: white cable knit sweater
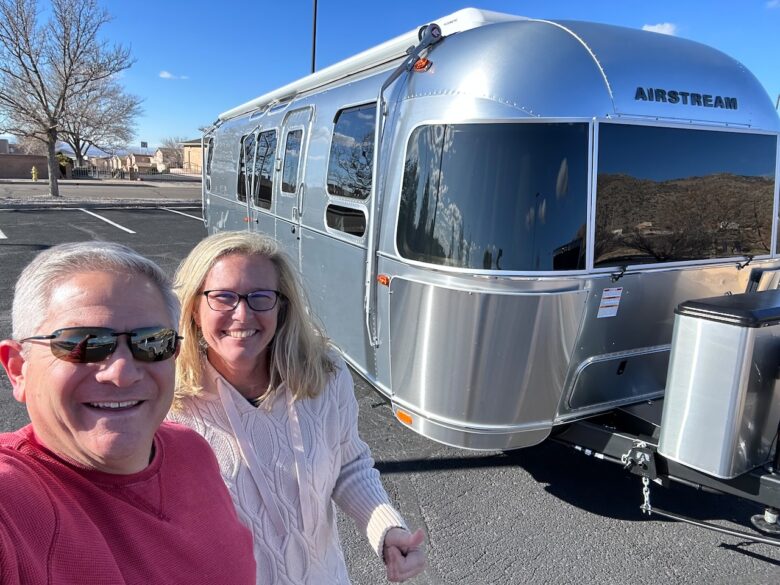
x=307 y=454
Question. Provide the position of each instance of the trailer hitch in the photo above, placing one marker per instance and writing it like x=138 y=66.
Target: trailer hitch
x=640 y=460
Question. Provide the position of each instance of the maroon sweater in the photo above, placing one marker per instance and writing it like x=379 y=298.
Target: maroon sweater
x=173 y=522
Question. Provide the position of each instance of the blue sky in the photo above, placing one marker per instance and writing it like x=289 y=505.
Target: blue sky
x=198 y=58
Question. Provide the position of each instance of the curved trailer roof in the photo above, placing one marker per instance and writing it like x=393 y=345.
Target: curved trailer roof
x=388 y=51
x=566 y=69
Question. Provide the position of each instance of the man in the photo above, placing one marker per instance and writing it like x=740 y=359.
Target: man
x=96 y=489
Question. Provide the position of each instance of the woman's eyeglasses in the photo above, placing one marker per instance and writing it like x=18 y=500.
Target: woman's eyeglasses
x=227 y=300
x=83 y=345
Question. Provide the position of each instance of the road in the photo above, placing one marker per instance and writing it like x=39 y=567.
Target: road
x=541 y=515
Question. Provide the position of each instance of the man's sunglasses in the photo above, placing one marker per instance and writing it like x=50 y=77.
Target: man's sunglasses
x=86 y=345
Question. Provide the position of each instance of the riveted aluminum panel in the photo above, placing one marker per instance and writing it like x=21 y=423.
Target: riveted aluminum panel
x=480 y=361
x=633 y=59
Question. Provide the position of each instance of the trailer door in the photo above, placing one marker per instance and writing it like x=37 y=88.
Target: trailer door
x=291 y=190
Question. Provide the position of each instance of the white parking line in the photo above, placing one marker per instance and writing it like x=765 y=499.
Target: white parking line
x=129 y=231
x=3 y=236
x=184 y=214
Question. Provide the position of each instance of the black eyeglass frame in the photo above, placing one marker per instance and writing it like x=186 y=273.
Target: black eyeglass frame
x=68 y=349
x=247 y=297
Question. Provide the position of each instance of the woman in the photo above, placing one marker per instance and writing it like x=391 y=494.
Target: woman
x=257 y=378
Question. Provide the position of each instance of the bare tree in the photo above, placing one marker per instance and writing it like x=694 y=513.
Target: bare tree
x=174 y=151
x=45 y=65
x=27 y=145
x=103 y=117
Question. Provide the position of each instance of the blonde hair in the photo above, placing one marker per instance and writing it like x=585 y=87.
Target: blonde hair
x=299 y=352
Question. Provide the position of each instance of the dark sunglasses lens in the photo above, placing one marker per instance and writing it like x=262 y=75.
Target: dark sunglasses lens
x=153 y=344
x=82 y=345
x=261 y=300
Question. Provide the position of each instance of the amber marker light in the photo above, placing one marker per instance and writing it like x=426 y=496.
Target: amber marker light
x=383 y=279
x=422 y=64
x=404 y=417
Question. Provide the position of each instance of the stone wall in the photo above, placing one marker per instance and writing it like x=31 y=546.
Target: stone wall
x=19 y=166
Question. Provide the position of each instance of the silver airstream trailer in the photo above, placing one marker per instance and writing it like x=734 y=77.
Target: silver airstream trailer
x=497 y=219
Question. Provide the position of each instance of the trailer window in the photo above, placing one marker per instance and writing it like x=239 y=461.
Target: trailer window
x=346 y=219
x=292 y=155
x=209 y=157
x=352 y=152
x=496 y=196
x=244 y=173
x=264 y=169
x=671 y=194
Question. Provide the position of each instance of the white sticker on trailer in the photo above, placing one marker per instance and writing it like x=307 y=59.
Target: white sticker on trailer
x=610 y=301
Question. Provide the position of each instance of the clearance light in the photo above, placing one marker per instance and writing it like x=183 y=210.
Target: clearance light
x=383 y=279
x=422 y=64
x=246 y=219
x=404 y=417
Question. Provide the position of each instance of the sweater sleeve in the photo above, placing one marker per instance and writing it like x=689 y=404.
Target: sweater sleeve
x=358 y=490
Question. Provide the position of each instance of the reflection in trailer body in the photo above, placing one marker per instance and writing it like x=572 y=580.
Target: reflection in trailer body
x=497 y=226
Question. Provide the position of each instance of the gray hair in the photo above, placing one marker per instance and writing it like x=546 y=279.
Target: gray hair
x=49 y=268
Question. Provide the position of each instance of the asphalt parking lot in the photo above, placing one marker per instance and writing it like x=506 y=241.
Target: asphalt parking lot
x=540 y=515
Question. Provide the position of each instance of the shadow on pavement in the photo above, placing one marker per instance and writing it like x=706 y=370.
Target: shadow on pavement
x=593 y=485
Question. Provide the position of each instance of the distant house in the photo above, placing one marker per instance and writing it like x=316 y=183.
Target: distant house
x=193 y=156
x=116 y=164
x=166 y=159
x=100 y=163
x=139 y=163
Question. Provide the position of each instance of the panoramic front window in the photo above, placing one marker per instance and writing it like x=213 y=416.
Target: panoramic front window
x=496 y=196
x=352 y=152
x=671 y=194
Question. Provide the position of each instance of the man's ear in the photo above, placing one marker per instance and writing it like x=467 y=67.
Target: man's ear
x=13 y=362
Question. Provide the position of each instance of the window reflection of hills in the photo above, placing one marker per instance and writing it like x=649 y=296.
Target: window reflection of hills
x=714 y=216
x=495 y=197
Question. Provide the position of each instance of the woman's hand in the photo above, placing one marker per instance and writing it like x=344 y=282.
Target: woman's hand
x=402 y=554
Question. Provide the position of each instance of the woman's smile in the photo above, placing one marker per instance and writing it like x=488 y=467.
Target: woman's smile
x=240 y=333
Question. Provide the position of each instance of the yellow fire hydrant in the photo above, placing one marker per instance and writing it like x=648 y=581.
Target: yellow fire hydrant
x=34 y=173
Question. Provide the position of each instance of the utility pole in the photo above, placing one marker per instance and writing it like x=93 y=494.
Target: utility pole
x=314 y=38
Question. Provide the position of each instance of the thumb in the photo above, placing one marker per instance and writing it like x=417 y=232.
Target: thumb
x=416 y=539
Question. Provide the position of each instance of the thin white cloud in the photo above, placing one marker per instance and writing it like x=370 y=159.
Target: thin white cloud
x=773 y=4
x=168 y=75
x=667 y=28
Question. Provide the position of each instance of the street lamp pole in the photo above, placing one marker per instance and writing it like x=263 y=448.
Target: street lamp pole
x=314 y=38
